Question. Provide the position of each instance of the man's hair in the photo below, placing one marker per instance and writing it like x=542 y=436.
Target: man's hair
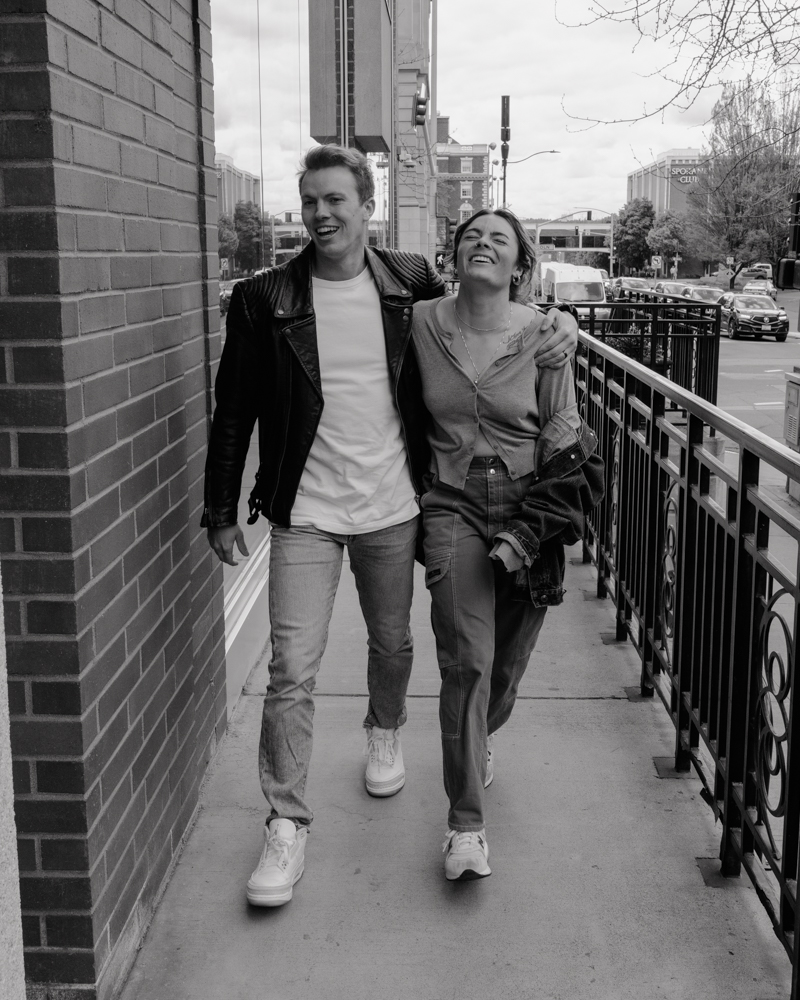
x=526 y=257
x=331 y=155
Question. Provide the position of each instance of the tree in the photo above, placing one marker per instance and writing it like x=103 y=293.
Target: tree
x=668 y=236
x=633 y=224
x=247 y=222
x=711 y=41
x=228 y=240
x=740 y=205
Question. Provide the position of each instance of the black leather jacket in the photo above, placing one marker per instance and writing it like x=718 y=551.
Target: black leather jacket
x=269 y=372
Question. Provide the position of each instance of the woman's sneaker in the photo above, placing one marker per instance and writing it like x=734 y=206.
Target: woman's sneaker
x=489 y=761
x=466 y=855
x=281 y=864
x=385 y=772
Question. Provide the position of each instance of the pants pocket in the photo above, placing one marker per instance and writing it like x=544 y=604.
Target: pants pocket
x=437 y=566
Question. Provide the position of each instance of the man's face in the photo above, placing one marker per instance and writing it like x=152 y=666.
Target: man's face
x=332 y=212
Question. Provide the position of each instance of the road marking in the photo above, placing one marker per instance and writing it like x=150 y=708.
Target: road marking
x=774 y=403
x=771 y=371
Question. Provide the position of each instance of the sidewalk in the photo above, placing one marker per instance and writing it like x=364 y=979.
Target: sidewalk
x=603 y=884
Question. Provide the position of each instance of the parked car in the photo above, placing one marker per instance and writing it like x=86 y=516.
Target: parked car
x=761 y=268
x=754 y=314
x=621 y=285
x=761 y=286
x=703 y=293
x=670 y=287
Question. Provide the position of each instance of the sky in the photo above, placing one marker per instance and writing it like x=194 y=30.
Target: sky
x=557 y=71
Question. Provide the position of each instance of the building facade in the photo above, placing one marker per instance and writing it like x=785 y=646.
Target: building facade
x=667 y=181
x=372 y=86
x=463 y=180
x=234 y=185
x=113 y=602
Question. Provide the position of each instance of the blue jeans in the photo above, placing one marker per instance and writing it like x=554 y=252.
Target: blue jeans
x=304 y=571
x=484 y=637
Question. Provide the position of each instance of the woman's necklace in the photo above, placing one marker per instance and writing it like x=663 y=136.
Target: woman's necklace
x=503 y=341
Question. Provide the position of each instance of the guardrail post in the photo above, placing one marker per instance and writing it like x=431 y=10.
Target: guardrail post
x=685 y=737
x=743 y=654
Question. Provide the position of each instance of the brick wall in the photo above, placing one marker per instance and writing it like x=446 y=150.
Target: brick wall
x=109 y=331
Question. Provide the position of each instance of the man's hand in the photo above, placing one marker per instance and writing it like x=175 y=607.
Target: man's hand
x=221 y=541
x=508 y=556
x=559 y=335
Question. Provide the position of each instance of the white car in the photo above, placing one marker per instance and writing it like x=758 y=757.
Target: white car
x=762 y=286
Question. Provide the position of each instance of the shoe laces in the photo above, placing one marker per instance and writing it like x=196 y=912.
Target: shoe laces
x=380 y=747
x=277 y=852
x=463 y=840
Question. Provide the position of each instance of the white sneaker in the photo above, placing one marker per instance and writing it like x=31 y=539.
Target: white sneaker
x=466 y=855
x=489 y=762
x=385 y=772
x=281 y=864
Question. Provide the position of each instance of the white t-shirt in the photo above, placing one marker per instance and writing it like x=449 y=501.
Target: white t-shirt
x=356 y=477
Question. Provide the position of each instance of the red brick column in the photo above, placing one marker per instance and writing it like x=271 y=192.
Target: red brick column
x=109 y=327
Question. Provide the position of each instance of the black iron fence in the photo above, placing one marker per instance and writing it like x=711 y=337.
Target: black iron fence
x=696 y=542
x=670 y=335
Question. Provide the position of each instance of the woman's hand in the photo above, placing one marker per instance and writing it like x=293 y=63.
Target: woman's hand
x=559 y=334
x=506 y=553
x=222 y=541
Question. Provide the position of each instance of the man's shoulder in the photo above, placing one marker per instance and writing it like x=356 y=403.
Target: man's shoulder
x=260 y=290
x=414 y=270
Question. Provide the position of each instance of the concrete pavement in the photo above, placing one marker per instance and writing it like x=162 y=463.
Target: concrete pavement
x=603 y=884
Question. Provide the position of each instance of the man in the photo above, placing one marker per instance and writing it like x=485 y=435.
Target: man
x=318 y=352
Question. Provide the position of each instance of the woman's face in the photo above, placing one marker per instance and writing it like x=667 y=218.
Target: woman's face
x=488 y=252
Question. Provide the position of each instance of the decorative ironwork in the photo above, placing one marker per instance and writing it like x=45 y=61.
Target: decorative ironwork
x=613 y=503
x=772 y=716
x=669 y=570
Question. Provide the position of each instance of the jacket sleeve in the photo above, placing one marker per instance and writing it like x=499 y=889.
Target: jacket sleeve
x=435 y=283
x=235 y=391
x=566 y=488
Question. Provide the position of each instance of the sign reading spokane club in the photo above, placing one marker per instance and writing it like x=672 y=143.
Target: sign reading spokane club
x=684 y=175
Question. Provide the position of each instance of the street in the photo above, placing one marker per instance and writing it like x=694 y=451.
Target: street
x=751 y=383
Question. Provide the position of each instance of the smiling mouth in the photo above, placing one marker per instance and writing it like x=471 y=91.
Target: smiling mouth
x=326 y=230
x=480 y=258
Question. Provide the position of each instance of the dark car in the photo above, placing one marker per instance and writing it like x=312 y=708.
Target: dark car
x=619 y=286
x=670 y=288
x=703 y=293
x=753 y=314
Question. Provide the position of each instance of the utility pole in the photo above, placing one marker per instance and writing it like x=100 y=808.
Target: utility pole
x=505 y=135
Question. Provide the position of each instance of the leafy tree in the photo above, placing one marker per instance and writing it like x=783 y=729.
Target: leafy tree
x=228 y=240
x=708 y=42
x=633 y=224
x=247 y=222
x=740 y=205
x=668 y=237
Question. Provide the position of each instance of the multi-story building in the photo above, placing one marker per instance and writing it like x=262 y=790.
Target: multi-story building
x=667 y=181
x=463 y=179
x=372 y=86
x=234 y=185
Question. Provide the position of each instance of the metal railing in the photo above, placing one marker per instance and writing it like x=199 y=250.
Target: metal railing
x=668 y=334
x=698 y=546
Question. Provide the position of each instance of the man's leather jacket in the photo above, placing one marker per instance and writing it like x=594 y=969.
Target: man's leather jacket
x=269 y=372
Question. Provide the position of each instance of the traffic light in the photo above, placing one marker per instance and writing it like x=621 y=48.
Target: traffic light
x=421 y=103
x=505 y=116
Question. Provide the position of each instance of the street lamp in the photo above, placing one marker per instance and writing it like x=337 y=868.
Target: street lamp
x=524 y=158
x=611 y=240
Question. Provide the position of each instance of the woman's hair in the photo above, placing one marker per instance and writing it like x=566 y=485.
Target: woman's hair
x=331 y=155
x=526 y=259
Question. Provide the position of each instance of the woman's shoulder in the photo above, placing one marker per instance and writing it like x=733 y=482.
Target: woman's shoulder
x=427 y=307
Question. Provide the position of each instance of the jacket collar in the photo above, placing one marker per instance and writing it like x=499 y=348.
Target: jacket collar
x=295 y=295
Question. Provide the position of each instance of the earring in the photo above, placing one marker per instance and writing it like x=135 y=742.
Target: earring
x=515 y=278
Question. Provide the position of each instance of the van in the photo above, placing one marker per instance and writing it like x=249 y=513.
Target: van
x=580 y=286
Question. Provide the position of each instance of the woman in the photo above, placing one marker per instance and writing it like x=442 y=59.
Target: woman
x=513 y=474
